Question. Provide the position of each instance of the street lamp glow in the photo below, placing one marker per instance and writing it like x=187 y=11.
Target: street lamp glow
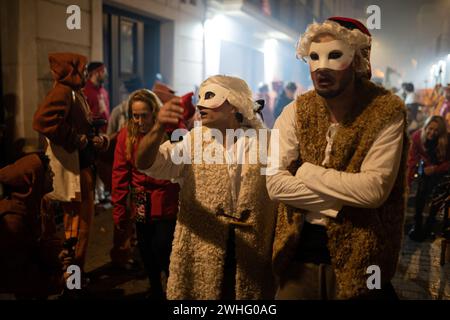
x=198 y=30
x=433 y=71
x=270 y=59
x=215 y=30
x=218 y=26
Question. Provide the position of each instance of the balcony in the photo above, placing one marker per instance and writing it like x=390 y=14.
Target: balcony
x=289 y=17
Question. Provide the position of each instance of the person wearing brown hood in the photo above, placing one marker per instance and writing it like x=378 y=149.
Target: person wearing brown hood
x=29 y=264
x=72 y=143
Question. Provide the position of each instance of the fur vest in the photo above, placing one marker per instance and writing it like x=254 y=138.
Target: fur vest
x=358 y=237
x=202 y=229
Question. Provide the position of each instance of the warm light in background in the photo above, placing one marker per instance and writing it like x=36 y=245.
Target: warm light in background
x=438 y=71
x=215 y=30
x=270 y=59
x=377 y=73
x=198 y=30
x=219 y=25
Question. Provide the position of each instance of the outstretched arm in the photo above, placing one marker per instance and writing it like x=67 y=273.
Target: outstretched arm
x=148 y=148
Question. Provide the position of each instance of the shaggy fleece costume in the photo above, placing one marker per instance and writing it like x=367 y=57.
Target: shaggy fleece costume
x=358 y=237
x=200 y=241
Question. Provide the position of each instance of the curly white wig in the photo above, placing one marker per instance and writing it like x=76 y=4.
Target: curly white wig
x=357 y=40
x=240 y=97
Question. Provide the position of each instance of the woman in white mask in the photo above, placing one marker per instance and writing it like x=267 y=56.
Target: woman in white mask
x=223 y=238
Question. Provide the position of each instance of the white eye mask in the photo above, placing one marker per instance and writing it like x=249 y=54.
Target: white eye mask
x=212 y=96
x=320 y=51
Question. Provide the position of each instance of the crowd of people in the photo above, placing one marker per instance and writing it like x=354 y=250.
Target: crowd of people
x=275 y=100
x=429 y=157
x=331 y=204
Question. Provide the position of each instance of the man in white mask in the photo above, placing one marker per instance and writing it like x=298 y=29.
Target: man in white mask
x=340 y=178
x=223 y=238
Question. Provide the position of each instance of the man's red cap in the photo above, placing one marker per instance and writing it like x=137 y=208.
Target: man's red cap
x=351 y=24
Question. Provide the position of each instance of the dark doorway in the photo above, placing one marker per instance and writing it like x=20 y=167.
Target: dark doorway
x=131 y=46
x=2 y=117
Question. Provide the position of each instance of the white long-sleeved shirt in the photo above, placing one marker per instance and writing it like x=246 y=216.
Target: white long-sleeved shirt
x=165 y=168
x=323 y=192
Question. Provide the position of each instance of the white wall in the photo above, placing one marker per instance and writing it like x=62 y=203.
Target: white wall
x=30 y=30
x=237 y=46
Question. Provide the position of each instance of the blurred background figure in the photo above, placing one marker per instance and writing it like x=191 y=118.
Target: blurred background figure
x=163 y=91
x=119 y=114
x=435 y=99
x=407 y=93
x=263 y=94
x=98 y=101
x=429 y=161
x=277 y=90
x=96 y=95
x=416 y=116
x=444 y=110
x=154 y=203
x=415 y=111
x=286 y=97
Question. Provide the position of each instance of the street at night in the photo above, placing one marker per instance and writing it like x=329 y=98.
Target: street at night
x=222 y=158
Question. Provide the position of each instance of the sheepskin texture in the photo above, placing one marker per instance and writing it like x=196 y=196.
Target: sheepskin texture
x=354 y=38
x=358 y=237
x=201 y=233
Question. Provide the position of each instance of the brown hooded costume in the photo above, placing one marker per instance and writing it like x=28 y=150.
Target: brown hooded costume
x=29 y=262
x=62 y=118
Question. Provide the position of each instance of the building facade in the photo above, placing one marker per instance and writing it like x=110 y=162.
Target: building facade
x=179 y=41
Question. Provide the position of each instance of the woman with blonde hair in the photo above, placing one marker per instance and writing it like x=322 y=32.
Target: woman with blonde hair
x=154 y=203
x=429 y=160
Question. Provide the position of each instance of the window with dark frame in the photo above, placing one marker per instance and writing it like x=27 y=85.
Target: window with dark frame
x=128 y=40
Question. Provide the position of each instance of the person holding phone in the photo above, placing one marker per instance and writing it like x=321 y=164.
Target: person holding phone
x=223 y=238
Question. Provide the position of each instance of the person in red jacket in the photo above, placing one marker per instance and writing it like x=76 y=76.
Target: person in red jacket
x=96 y=95
x=154 y=203
x=429 y=159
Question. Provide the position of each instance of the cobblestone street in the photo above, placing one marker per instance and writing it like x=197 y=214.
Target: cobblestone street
x=107 y=282
x=419 y=274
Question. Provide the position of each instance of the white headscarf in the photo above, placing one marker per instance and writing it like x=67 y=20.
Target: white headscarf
x=240 y=96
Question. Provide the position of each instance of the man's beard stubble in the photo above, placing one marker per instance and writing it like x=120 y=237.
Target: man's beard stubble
x=330 y=75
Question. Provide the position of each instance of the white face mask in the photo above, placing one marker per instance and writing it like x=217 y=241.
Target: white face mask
x=212 y=96
x=334 y=55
